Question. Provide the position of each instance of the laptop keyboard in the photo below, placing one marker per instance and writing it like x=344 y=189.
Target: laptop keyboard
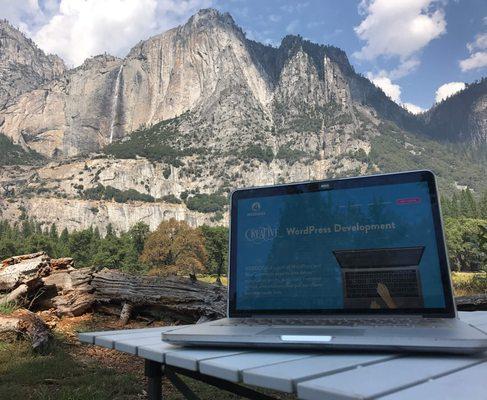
x=401 y=283
x=407 y=322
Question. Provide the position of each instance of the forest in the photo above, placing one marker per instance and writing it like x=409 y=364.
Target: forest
x=203 y=250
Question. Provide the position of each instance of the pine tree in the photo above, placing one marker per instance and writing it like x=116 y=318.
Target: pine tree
x=53 y=232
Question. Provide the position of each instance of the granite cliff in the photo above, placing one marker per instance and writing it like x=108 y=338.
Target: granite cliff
x=231 y=86
x=23 y=66
x=193 y=112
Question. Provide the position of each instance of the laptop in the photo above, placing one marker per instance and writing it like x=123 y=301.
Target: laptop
x=354 y=263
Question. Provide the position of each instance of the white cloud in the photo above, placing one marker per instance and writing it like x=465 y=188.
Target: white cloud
x=390 y=89
x=398 y=28
x=404 y=68
x=447 y=90
x=480 y=42
x=413 y=108
x=25 y=14
x=475 y=61
x=79 y=29
x=478 y=54
x=393 y=91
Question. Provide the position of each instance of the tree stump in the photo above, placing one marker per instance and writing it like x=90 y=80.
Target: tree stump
x=24 y=322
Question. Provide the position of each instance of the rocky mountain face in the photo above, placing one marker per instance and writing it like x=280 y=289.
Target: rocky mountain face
x=190 y=114
x=23 y=66
x=232 y=87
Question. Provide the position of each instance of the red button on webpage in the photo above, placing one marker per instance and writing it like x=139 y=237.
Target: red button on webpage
x=409 y=200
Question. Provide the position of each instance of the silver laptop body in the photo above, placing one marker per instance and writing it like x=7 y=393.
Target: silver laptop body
x=355 y=263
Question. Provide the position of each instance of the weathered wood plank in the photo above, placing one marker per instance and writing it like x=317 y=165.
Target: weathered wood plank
x=89 y=337
x=230 y=368
x=473 y=317
x=380 y=379
x=108 y=341
x=131 y=345
x=188 y=357
x=285 y=376
x=156 y=352
x=467 y=383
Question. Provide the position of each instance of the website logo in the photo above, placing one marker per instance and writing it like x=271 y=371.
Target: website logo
x=261 y=234
x=255 y=210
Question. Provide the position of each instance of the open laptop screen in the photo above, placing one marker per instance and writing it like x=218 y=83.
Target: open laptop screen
x=366 y=245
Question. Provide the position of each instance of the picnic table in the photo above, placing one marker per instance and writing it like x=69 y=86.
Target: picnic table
x=309 y=375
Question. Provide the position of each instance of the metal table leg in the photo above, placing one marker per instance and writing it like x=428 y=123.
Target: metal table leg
x=153 y=372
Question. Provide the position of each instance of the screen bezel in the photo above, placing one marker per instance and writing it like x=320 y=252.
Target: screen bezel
x=335 y=184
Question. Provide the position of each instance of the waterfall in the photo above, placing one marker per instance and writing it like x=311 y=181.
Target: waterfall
x=115 y=102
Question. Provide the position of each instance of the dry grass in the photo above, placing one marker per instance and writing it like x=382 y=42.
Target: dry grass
x=72 y=371
x=469 y=283
x=212 y=279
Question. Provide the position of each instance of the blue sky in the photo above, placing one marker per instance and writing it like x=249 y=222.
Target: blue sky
x=410 y=48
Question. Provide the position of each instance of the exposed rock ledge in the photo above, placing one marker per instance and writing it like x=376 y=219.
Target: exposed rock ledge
x=76 y=214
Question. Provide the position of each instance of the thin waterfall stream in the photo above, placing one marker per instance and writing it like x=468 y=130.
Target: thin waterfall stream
x=115 y=102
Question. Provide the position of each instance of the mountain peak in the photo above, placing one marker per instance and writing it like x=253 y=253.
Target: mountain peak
x=210 y=17
x=23 y=65
x=213 y=15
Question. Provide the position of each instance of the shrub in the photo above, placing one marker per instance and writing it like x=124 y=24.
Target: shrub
x=206 y=202
x=101 y=192
x=154 y=143
x=257 y=152
x=170 y=198
x=290 y=155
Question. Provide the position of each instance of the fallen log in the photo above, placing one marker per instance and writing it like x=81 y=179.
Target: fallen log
x=15 y=271
x=476 y=302
x=40 y=283
x=177 y=297
x=27 y=323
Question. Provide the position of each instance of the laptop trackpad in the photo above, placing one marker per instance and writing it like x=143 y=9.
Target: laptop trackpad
x=312 y=331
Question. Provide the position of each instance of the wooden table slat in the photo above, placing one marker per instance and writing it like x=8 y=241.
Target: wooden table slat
x=285 y=376
x=190 y=357
x=108 y=341
x=155 y=352
x=131 y=345
x=473 y=317
x=379 y=379
x=89 y=337
x=230 y=368
x=469 y=383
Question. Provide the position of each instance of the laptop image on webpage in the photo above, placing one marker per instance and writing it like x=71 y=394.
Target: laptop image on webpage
x=381 y=278
x=352 y=263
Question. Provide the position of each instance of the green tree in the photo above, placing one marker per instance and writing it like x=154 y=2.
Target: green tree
x=53 y=232
x=82 y=246
x=468 y=205
x=39 y=242
x=463 y=237
x=138 y=234
x=8 y=248
x=216 y=244
x=110 y=252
